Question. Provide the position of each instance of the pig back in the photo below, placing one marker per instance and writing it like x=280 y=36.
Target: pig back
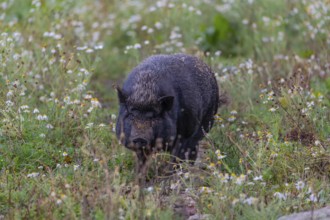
x=188 y=79
x=194 y=87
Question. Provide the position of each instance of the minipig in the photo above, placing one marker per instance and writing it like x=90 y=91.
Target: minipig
x=167 y=102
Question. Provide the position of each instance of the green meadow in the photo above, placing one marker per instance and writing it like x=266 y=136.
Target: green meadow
x=268 y=154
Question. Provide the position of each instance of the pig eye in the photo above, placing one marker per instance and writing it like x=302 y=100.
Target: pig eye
x=145 y=113
x=134 y=112
x=150 y=114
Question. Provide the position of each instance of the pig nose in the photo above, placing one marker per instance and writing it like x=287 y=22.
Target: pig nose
x=140 y=142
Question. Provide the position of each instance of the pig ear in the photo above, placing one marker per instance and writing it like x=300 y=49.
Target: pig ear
x=121 y=96
x=166 y=102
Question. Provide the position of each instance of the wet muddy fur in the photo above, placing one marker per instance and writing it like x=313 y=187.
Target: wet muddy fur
x=168 y=102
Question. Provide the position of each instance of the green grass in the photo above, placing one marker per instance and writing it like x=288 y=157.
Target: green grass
x=60 y=159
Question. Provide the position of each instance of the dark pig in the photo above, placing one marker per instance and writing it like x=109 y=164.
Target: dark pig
x=168 y=102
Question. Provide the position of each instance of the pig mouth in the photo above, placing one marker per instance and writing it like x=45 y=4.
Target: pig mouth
x=155 y=145
x=138 y=147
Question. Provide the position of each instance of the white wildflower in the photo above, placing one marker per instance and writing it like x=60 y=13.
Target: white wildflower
x=33 y=175
x=300 y=185
x=66 y=100
x=9 y=103
x=245 y=21
x=89 y=50
x=82 y=48
x=269 y=135
x=272 y=109
x=233 y=112
x=158 y=25
x=16 y=56
x=241 y=179
x=313 y=198
x=217 y=53
x=231 y=118
x=58 y=202
x=98 y=47
x=42 y=117
x=257 y=178
x=137 y=46
x=310 y=104
x=150 y=189
x=89 y=125
x=219 y=155
x=10 y=93
x=76 y=167
x=95 y=103
x=90 y=110
x=144 y=28
x=235 y=201
x=205 y=189
x=88 y=96
x=250 y=201
x=280 y=196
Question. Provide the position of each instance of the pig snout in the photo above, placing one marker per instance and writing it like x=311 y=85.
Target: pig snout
x=140 y=142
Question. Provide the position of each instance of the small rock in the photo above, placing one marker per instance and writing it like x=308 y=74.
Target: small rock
x=319 y=214
x=185 y=206
x=200 y=217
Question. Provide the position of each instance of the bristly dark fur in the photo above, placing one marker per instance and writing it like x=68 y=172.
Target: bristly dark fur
x=177 y=95
x=144 y=90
